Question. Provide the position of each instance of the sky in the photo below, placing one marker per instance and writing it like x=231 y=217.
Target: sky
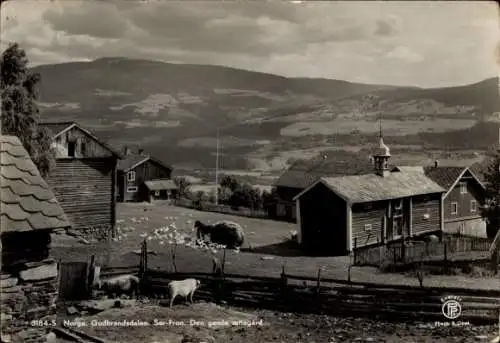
x=427 y=44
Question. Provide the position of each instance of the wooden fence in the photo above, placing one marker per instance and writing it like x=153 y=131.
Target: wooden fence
x=334 y=297
x=76 y=278
x=225 y=209
x=452 y=247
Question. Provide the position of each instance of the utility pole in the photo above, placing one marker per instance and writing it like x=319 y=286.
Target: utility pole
x=217 y=171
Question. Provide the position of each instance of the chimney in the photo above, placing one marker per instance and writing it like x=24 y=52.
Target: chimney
x=141 y=151
x=436 y=163
x=126 y=150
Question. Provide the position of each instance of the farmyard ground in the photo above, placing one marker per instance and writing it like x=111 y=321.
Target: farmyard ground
x=137 y=222
x=210 y=323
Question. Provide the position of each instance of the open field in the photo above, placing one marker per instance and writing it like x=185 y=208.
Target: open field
x=200 y=318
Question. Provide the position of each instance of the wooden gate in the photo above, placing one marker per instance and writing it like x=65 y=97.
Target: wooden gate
x=73 y=278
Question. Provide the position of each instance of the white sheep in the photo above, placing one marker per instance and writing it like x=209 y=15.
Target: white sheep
x=183 y=288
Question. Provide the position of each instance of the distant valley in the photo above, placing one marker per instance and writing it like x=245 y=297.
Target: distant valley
x=265 y=121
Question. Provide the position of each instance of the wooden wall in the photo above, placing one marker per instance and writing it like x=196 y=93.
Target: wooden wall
x=474 y=192
x=146 y=171
x=85 y=189
x=285 y=206
x=374 y=216
x=323 y=221
x=91 y=147
x=426 y=214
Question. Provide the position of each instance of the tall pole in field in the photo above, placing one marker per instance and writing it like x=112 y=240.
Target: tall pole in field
x=217 y=171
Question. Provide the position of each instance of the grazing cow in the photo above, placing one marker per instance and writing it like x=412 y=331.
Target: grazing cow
x=183 y=288
x=224 y=232
x=123 y=284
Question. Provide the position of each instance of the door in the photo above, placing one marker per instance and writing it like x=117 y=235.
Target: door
x=73 y=280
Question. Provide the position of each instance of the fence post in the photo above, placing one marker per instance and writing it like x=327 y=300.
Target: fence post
x=495 y=261
x=283 y=283
x=355 y=248
x=90 y=274
x=318 y=284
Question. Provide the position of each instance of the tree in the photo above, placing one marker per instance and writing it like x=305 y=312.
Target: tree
x=229 y=182
x=491 y=210
x=20 y=112
x=246 y=196
x=182 y=187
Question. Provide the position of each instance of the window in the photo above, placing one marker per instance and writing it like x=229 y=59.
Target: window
x=454 y=207
x=368 y=227
x=71 y=148
x=463 y=187
x=367 y=206
x=157 y=193
x=131 y=176
x=131 y=189
x=473 y=206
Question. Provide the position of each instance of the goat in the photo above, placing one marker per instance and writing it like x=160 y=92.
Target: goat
x=224 y=232
x=118 y=285
x=183 y=288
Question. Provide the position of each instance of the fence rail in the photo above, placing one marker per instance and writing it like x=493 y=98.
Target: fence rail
x=336 y=297
x=419 y=251
x=225 y=209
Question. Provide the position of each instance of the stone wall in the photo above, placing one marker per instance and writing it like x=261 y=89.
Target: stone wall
x=29 y=293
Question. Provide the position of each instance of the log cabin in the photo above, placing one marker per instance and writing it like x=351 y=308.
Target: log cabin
x=302 y=174
x=144 y=178
x=29 y=213
x=83 y=179
x=465 y=194
x=337 y=214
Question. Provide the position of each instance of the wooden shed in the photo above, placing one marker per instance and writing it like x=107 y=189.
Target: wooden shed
x=133 y=173
x=336 y=213
x=29 y=212
x=84 y=178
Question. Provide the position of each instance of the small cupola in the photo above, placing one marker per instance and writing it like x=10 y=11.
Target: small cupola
x=381 y=154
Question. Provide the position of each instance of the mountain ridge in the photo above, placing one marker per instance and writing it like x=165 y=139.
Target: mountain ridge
x=156 y=105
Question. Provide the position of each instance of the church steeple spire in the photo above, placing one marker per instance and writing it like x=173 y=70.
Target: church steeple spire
x=381 y=154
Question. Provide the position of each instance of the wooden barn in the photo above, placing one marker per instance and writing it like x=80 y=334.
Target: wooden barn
x=465 y=193
x=144 y=178
x=84 y=178
x=335 y=214
x=303 y=173
x=29 y=212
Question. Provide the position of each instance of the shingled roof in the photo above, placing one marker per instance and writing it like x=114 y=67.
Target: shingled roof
x=303 y=173
x=26 y=201
x=445 y=176
x=371 y=187
x=58 y=128
x=131 y=161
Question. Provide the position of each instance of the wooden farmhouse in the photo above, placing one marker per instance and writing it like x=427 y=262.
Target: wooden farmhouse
x=83 y=179
x=337 y=214
x=304 y=173
x=465 y=193
x=144 y=178
x=29 y=212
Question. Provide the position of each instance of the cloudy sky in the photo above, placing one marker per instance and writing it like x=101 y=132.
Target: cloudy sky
x=402 y=43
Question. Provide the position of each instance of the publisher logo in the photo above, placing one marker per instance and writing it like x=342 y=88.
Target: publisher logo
x=451 y=308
